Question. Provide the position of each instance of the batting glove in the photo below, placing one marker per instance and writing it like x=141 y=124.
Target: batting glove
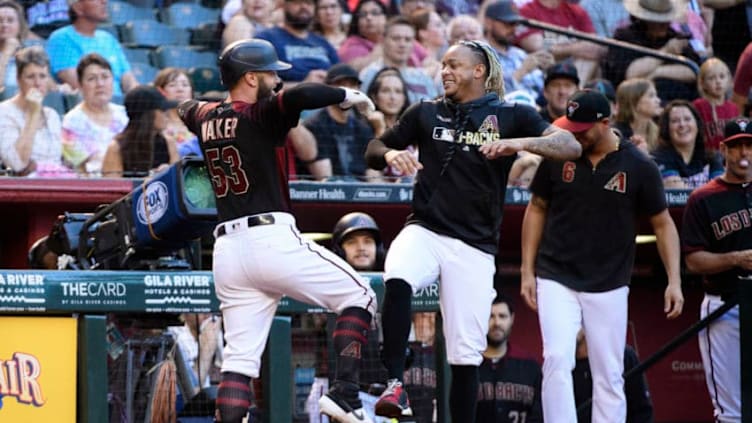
x=357 y=99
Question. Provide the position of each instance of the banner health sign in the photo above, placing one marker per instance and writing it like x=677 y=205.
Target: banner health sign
x=38 y=369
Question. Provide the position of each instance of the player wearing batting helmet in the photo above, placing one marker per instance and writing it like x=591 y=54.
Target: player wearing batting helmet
x=357 y=239
x=717 y=243
x=467 y=142
x=578 y=281
x=259 y=254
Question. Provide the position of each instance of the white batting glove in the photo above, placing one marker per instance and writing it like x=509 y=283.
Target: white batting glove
x=359 y=100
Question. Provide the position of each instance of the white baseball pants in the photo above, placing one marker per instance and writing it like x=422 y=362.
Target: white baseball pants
x=603 y=316
x=254 y=267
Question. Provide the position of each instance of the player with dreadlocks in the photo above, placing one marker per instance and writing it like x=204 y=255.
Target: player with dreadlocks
x=467 y=143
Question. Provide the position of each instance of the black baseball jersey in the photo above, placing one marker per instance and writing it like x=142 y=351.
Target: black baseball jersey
x=639 y=405
x=419 y=381
x=460 y=193
x=588 y=241
x=718 y=219
x=243 y=146
x=509 y=390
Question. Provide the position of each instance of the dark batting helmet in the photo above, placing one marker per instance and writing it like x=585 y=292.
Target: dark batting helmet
x=357 y=221
x=249 y=55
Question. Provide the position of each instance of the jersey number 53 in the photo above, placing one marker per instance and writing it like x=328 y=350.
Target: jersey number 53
x=231 y=176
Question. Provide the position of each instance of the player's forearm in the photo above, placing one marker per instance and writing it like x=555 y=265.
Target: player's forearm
x=375 y=154
x=307 y=96
x=532 y=232
x=667 y=241
x=555 y=144
x=707 y=263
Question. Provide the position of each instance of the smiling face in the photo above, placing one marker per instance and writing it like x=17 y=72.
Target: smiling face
x=557 y=93
x=462 y=74
x=391 y=96
x=682 y=127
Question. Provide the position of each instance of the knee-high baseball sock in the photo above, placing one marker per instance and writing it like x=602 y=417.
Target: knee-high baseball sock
x=463 y=394
x=350 y=334
x=233 y=397
x=396 y=320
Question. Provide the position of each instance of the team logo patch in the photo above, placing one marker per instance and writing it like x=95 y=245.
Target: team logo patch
x=617 y=183
x=490 y=124
x=443 y=134
x=571 y=107
x=352 y=350
x=742 y=124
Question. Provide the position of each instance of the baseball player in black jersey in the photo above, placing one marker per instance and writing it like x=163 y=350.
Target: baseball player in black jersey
x=578 y=246
x=467 y=143
x=260 y=255
x=717 y=243
x=510 y=380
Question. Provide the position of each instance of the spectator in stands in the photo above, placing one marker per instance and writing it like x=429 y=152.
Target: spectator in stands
x=31 y=141
x=651 y=27
x=713 y=83
x=510 y=379
x=681 y=155
x=560 y=84
x=255 y=16
x=420 y=374
x=363 y=43
x=44 y=17
x=342 y=135
x=399 y=37
x=743 y=79
x=309 y=54
x=141 y=148
x=584 y=54
x=522 y=71
x=639 y=406
x=174 y=84
x=89 y=127
x=606 y=15
x=408 y=7
x=200 y=342
x=13 y=33
x=327 y=22
x=638 y=105
x=389 y=94
x=430 y=33
x=464 y=28
x=452 y=8
x=68 y=44
x=605 y=87
x=730 y=28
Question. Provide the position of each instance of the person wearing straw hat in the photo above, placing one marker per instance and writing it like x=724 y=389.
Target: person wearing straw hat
x=717 y=243
x=651 y=27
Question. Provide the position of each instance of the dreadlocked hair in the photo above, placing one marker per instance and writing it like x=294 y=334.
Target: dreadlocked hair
x=495 y=79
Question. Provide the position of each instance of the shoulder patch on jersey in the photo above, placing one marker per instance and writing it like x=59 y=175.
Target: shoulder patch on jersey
x=617 y=183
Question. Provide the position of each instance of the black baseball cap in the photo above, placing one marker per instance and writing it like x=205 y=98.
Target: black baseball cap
x=565 y=69
x=603 y=86
x=584 y=109
x=144 y=98
x=504 y=11
x=737 y=130
x=340 y=72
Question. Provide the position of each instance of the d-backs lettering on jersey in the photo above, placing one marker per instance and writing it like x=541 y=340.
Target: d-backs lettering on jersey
x=241 y=143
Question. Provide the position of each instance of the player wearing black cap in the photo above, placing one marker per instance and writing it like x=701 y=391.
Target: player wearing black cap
x=578 y=281
x=467 y=145
x=260 y=255
x=357 y=239
x=717 y=243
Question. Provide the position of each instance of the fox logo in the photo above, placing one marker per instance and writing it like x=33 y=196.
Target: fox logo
x=617 y=183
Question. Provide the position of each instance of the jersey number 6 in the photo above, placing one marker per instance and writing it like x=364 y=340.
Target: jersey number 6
x=234 y=178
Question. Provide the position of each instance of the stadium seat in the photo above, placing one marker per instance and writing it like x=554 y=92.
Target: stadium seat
x=188 y=15
x=144 y=72
x=183 y=57
x=205 y=79
x=138 y=55
x=152 y=34
x=205 y=36
x=111 y=28
x=121 y=12
x=56 y=100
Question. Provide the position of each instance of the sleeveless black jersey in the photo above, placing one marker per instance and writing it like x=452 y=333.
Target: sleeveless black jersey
x=460 y=193
x=588 y=242
x=242 y=145
x=718 y=219
x=510 y=390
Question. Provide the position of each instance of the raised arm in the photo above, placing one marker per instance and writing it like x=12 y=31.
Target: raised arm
x=554 y=143
x=667 y=241
x=308 y=96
